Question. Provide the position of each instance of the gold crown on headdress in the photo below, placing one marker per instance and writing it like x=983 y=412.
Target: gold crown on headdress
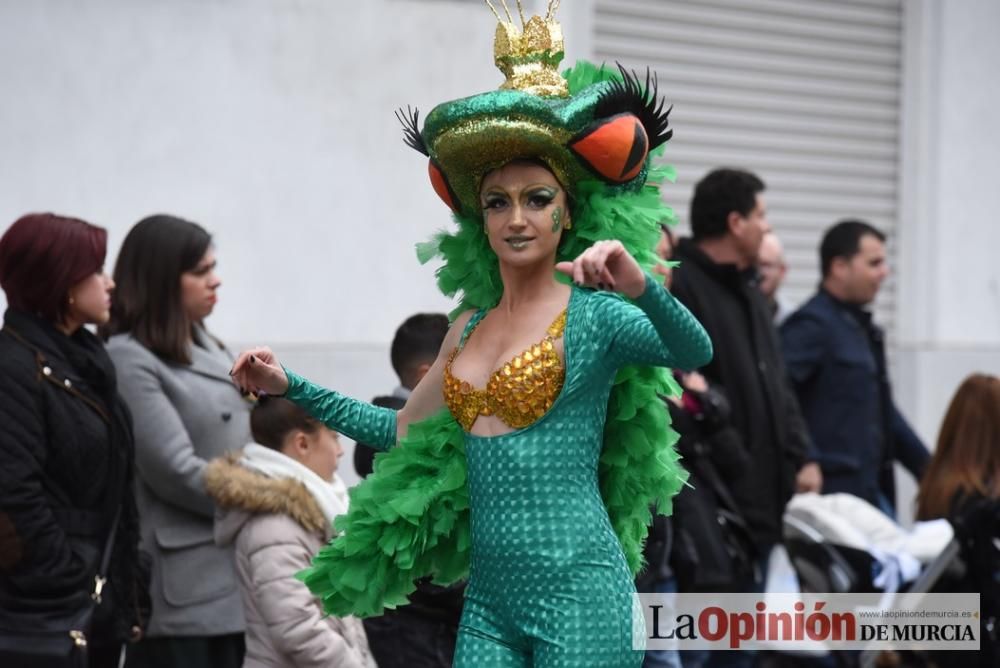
x=529 y=55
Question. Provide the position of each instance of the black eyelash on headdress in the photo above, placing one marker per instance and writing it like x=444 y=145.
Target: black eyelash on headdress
x=411 y=129
x=629 y=95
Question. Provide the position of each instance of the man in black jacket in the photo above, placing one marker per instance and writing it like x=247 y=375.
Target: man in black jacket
x=717 y=281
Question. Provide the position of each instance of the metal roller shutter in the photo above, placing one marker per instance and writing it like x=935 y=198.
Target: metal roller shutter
x=805 y=93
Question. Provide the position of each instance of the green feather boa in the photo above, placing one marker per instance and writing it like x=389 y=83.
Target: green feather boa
x=410 y=518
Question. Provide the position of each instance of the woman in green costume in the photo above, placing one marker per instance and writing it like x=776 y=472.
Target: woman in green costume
x=528 y=455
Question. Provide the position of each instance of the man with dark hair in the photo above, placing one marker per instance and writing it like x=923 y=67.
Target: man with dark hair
x=717 y=281
x=415 y=347
x=422 y=634
x=836 y=359
x=723 y=192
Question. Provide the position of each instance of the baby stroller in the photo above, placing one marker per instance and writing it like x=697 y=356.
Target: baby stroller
x=842 y=544
x=869 y=553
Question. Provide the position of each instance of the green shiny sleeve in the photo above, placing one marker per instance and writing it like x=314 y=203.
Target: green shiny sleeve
x=657 y=330
x=358 y=420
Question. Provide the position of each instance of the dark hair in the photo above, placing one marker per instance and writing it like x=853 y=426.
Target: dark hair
x=718 y=194
x=273 y=418
x=147 y=297
x=417 y=341
x=844 y=240
x=43 y=255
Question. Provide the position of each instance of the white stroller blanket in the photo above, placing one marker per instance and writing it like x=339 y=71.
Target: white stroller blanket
x=846 y=520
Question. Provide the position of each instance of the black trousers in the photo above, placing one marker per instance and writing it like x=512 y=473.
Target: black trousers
x=400 y=640
x=104 y=656
x=188 y=652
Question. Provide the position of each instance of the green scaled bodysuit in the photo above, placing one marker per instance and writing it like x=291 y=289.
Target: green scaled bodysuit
x=549 y=584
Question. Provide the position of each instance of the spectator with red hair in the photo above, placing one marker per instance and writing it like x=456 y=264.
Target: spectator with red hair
x=66 y=448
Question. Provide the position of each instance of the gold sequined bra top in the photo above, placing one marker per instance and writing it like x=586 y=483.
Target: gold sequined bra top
x=518 y=393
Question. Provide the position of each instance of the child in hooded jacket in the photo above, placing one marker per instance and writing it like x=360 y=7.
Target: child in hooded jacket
x=277 y=500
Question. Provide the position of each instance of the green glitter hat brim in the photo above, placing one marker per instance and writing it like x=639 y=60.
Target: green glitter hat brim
x=470 y=137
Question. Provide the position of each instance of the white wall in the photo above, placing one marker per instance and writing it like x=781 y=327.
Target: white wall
x=271 y=123
x=949 y=306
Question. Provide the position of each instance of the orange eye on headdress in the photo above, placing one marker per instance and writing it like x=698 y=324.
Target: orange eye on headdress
x=630 y=121
x=615 y=148
x=440 y=185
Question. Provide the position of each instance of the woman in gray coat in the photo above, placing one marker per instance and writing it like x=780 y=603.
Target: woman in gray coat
x=174 y=376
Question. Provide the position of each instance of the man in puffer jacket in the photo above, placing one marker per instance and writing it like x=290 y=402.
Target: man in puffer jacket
x=277 y=500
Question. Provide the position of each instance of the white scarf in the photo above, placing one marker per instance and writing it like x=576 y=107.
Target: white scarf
x=330 y=495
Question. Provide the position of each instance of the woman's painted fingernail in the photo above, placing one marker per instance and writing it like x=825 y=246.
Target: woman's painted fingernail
x=253 y=360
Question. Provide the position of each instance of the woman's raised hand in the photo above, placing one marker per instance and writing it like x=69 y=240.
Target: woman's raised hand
x=607 y=266
x=257 y=370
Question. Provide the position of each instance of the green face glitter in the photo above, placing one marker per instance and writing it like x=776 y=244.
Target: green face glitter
x=557 y=219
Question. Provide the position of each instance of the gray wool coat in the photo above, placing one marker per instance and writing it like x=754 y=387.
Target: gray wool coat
x=184 y=416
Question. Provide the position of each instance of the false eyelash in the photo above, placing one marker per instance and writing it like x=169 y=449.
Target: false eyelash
x=629 y=95
x=409 y=119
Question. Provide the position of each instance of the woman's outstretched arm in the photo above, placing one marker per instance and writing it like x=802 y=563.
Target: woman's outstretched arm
x=258 y=370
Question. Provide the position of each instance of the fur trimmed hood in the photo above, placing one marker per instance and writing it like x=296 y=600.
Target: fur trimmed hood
x=241 y=493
